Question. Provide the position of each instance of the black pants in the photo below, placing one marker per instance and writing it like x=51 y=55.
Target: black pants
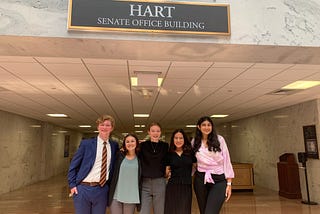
x=210 y=196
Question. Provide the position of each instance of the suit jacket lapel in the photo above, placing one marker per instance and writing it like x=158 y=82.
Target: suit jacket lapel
x=94 y=150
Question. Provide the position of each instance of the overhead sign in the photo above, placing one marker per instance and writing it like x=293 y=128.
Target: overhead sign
x=145 y=16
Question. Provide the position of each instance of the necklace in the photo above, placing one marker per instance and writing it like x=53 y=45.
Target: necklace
x=154 y=147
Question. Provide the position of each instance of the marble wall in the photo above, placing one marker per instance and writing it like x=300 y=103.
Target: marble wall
x=31 y=150
x=273 y=22
x=263 y=138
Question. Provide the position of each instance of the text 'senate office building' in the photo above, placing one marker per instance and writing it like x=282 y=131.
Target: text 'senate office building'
x=254 y=66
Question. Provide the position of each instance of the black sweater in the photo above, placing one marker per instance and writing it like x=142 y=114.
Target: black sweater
x=152 y=157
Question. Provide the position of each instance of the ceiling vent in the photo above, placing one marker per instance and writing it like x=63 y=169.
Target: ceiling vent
x=147 y=83
x=284 y=92
x=147 y=79
x=145 y=92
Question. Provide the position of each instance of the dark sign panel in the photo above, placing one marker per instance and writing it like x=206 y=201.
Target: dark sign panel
x=310 y=141
x=144 y=16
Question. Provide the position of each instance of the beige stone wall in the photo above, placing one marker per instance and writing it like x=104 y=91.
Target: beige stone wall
x=263 y=138
x=31 y=151
x=290 y=23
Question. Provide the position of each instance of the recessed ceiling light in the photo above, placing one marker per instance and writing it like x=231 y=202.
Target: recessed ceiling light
x=84 y=126
x=219 y=115
x=301 y=85
x=134 y=81
x=35 y=126
x=138 y=131
x=57 y=115
x=141 y=115
x=139 y=126
x=191 y=126
x=280 y=116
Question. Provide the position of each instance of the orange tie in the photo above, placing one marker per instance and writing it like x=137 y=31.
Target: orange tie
x=103 y=176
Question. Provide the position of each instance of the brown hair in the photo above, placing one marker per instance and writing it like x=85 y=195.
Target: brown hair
x=153 y=124
x=125 y=151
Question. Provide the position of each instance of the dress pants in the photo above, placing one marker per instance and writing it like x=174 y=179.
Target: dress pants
x=118 y=207
x=153 y=193
x=91 y=200
x=210 y=196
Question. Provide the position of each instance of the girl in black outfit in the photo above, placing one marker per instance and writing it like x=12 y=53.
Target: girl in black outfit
x=152 y=154
x=179 y=163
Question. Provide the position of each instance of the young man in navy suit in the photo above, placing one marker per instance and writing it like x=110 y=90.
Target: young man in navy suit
x=91 y=170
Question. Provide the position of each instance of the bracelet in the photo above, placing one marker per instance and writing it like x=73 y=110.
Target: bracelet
x=229 y=183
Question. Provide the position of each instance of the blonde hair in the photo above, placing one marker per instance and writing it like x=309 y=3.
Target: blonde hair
x=103 y=118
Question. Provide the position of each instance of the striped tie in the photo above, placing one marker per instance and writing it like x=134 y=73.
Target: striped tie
x=103 y=176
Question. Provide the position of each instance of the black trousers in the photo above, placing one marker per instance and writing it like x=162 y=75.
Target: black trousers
x=210 y=196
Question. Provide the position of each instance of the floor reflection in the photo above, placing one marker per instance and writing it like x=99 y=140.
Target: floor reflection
x=51 y=196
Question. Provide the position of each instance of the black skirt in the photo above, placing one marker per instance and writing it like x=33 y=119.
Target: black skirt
x=178 y=199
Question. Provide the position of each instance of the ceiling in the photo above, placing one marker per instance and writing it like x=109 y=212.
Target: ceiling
x=85 y=78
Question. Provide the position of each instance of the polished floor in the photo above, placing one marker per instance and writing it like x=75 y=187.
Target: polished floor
x=51 y=196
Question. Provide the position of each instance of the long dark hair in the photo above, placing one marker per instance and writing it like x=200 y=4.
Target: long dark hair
x=124 y=149
x=186 y=148
x=213 y=142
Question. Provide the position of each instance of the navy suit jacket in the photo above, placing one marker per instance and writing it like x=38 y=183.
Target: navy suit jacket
x=83 y=160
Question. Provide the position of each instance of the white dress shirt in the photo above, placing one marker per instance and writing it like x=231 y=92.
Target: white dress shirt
x=94 y=174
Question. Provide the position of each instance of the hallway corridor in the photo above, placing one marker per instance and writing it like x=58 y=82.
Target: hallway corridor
x=51 y=196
